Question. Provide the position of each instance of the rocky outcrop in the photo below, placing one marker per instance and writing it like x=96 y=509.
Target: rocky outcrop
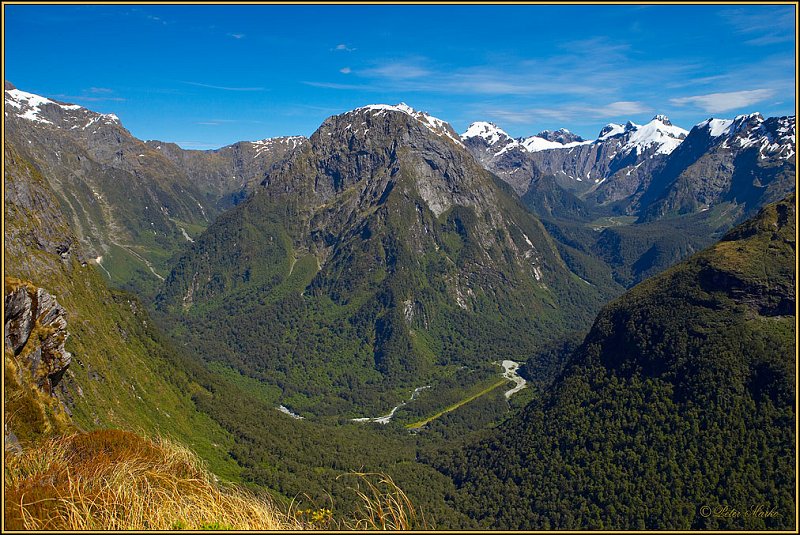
x=35 y=333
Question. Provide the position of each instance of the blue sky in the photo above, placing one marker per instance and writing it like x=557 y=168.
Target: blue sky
x=209 y=75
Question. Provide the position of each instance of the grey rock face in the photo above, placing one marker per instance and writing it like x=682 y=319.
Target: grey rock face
x=231 y=173
x=18 y=319
x=748 y=161
x=369 y=151
x=562 y=135
x=35 y=331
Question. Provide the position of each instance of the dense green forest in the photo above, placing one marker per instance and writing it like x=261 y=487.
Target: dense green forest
x=678 y=405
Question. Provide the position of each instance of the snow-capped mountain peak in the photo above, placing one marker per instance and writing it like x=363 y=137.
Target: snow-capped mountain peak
x=434 y=124
x=39 y=109
x=659 y=132
x=489 y=132
x=662 y=119
x=500 y=142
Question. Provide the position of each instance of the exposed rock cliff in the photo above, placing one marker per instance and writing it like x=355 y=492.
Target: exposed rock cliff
x=35 y=360
x=35 y=332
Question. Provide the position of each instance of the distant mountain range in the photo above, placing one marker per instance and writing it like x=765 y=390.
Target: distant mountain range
x=384 y=199
x=628 y=167
x=379 y=272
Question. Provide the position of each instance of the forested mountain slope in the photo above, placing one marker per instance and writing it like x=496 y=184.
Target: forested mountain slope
x=680 y=401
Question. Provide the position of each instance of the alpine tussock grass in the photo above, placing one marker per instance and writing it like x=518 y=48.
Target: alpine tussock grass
x=116 y=480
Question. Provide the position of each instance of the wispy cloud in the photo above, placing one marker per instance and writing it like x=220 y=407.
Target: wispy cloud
x=224 y=88
x=589 y=68
x=617 y=109
x=722 y=102
x=93 y=94
x=766 y=25
x=343 y=48
x=567 y=112
x=345 y=70
x=236 y=35
x=402 y=70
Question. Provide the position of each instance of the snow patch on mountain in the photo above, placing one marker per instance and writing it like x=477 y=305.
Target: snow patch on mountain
x=30 y=107
x=264 y=145
x=536 y=144
x=659 y=132
x=435 y=125
x=610 y=130
x=716 y=127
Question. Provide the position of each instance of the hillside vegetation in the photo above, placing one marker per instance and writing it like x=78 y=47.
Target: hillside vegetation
x=677 y=407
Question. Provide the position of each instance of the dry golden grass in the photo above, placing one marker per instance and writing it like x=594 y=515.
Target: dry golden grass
x=115 y=480
x=384 y=506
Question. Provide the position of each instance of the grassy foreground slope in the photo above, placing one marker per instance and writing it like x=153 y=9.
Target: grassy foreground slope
x=112 y=480
x=122 y=374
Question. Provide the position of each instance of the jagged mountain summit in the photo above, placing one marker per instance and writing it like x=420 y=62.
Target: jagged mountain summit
x=391 y=249
x=577 y=165
x=745 y=162
x=562 y=136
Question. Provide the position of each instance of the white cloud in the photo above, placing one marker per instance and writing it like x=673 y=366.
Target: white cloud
x=236 y=35
x=345 y=70
x=343 y=48
x=722 y=102
x=569 y=112
x=616 y=109
x=397 y=71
